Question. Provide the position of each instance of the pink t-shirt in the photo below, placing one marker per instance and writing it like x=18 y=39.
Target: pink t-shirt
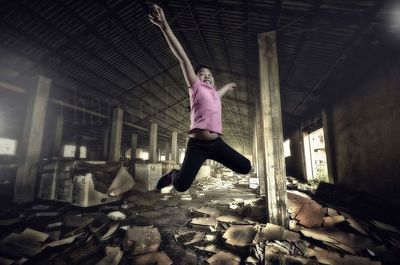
x=205 y=108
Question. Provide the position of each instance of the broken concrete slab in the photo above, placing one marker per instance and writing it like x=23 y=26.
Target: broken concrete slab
x=204 y=223
x=240 y=235
x=189 y=237
x=113 y=256
x=206 y=212
x=159 y=258
x=318 y=234
x=212 y=248
x=330 y=221
x=224 y=258
x=116 y=215
x=274 y=255
x=228 y=219
x=142 y=239
x=122 y=183
x=332 y=258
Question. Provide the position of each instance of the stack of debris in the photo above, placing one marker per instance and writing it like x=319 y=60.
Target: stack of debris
x=215 y=226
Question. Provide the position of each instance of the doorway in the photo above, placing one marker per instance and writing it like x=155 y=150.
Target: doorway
x=315 y=156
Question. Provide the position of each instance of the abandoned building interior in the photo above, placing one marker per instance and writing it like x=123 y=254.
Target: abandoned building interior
x=94 y=109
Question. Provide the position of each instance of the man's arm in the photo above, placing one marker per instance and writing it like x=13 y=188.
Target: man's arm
x=226 y=88
x=157 y=17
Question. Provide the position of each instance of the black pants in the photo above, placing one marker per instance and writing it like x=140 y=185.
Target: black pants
x=197 y=151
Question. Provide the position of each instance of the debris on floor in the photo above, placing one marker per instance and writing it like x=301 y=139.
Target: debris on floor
x=220 y=220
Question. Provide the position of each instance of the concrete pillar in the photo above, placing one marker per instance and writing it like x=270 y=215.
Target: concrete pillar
x=106 y=143
x=261 y=163
x=174 y=147
x=329 y=150
x=153 y=143
x=271 y=129
x=133 y=145
x=30 y=146
x=167 y=151
x=58 y=136
x=133 y=153
x=116 y=134
x=78 y=144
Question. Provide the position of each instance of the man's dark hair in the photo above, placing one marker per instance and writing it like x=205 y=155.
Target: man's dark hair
x=201 y=66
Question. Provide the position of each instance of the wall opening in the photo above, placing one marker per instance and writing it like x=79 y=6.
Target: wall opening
x=8 y=146
x=69 y=151
x=315 y=155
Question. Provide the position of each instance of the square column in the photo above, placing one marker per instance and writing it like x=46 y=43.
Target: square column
x=106 y=143
x=153 y=143
x=58 y=136
x=271 y=129
x=116 y=134
x=30 y=147
x=174 y=147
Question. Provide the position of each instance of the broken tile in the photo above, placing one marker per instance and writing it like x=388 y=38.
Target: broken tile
x=142 y=239
x=332 y=258
x=204 y=223
x=209 y=248
x=356 y=225
x=290 y=235
x=207 y=212
x=159 y=258
x=330 y=221
x=240 y=235
x=189 y=237
x=111 y=230
x=228 y=219
x=317 y=234
x=122 y=182
x=117 y=215
x=269 y=232
x=64 y=241
x=310 y=214
x=113 y=256
x=224 y=258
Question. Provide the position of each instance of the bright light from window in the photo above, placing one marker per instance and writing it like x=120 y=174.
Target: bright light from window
x=162 y=158
x=181 y=155
x=69 y=151
x=8 y=146
x=145 y=155
x=82 y=152
x=286 y=148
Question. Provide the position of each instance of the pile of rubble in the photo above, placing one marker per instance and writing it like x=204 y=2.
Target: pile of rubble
x=220 y=220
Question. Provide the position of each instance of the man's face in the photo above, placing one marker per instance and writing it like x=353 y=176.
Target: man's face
x=206 y=76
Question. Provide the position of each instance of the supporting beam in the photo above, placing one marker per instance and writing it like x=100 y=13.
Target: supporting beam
x=134 y=138
x=58 y=135
x=31 y=141
x=174 y=147
x=261 y=166
x=133 y=146
x=271 y=129
x=153 y=143
x=116 y=134
x=106 y=143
